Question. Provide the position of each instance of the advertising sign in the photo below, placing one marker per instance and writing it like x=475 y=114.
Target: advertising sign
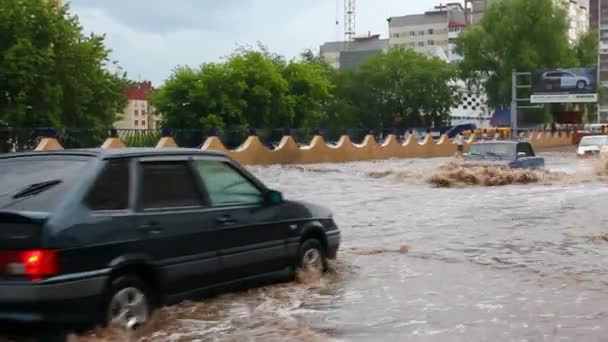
x=564 y=86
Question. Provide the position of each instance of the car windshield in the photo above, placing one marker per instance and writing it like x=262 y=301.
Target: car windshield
x=594 y=141
x=492 y=150
x=37 y=183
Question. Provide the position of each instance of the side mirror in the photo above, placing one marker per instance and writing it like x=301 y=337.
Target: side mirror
x=521 y=154
x=273 y=197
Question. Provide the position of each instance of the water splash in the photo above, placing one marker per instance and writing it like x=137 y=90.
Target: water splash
x=456 y=174
x=269 y=313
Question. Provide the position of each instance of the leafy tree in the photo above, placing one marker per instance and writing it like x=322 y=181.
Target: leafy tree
x=251 y=88
x=310 y=89
x=408 y=87
x=515 y=34
x=51 y=73
x=586 y=49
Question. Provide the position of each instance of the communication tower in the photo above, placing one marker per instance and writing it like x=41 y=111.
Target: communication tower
x=349 y=20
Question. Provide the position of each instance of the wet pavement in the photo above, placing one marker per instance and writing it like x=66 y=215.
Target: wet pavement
x=505 y=263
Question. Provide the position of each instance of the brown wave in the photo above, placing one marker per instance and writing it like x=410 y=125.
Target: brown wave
x=259 y=314
x=455 y=174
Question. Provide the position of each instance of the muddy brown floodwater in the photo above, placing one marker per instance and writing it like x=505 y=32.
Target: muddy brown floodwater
x=421 y=263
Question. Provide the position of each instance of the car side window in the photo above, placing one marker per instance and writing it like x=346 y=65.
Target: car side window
x=525 y=148
x=166 y=185
x=225 y=185
x=110 y=190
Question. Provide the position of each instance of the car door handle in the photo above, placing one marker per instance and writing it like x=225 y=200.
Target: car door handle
x=225 y=220
x=150 y=228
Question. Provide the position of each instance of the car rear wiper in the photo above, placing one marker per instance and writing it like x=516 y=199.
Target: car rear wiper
x=36 y=188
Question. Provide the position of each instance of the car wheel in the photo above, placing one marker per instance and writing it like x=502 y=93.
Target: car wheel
x=311 y=256
x=581 y=85
x=129 y=303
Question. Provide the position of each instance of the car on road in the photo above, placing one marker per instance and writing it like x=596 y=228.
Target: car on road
x=591 y=145
x=512 y=154
x=99 y=236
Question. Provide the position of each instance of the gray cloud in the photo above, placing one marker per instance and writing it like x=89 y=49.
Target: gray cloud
x=167 y=16
x=150 y=37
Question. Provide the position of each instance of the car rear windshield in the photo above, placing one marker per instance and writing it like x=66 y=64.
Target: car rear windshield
x=493 y=150
x=38 y=183
x=594 y=141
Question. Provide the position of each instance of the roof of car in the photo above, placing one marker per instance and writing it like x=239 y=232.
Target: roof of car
x=119 y=152
x=513 y=142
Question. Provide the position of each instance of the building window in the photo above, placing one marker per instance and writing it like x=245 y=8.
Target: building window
x=412 y=44
x=143 y=112
x=395 y=35
x=431 y=31
x=136 y=123
x=412 y=33
x=431 y=42
x=420 y=43
x=421 y=33
x=143 y=123
x=136 y=112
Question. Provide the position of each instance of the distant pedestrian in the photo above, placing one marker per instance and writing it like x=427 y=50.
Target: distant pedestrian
x=459 y=140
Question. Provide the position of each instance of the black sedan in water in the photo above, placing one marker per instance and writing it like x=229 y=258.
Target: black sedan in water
x=107 y=236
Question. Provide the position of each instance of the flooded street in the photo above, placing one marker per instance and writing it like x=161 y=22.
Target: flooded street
x=508 y=263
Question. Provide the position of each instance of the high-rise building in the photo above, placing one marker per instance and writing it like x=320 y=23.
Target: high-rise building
x=139 y=113
x=433 y=32
x=598 y=21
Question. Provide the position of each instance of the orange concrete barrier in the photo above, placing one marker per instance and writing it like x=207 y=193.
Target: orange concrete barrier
x=254 y=152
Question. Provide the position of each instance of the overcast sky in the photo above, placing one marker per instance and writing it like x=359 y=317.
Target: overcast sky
x=150 y=37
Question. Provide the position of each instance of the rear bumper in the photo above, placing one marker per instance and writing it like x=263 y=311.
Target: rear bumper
x=60 y=300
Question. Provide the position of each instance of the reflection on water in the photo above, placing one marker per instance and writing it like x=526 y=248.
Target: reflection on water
x=509 y=263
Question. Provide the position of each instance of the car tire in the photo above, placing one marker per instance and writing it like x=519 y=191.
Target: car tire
x=581 y=85
x=128 y=303
x=311 y=256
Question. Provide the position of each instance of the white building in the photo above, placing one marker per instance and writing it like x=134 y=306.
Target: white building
x=472 y=108
x=433 y=32
x=139 y=113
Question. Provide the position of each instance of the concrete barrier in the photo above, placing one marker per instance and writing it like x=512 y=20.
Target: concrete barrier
x=254 y=152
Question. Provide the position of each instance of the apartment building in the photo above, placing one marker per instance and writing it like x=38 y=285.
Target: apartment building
x=433 y=32
x=350 y=55
x=598 y=21
x=139 y=112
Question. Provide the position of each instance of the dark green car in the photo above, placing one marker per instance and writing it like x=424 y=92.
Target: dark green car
x=90 y=236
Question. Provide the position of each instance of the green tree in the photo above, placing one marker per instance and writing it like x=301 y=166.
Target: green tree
x=514 y=34
x=586 y=49
x=408 y=87
x=51 y=73
x=310 y=89
x=252 y=88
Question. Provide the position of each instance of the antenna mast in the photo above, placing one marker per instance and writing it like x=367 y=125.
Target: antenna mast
x=349 y=20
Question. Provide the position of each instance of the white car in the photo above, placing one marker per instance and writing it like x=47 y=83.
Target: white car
x=566 y=79
x=592 y=145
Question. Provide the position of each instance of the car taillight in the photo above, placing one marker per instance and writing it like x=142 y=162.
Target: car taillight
x=35 y=264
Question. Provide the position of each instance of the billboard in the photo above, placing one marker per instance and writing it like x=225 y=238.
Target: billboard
x=564 y=86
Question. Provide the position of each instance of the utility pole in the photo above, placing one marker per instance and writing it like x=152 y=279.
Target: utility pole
x=514 y=104
x=515 y=100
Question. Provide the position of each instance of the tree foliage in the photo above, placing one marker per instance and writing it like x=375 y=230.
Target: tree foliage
x=255 y=88
x=252 y=88
x=51 y=73
x=409 y=87
x=515 y=34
